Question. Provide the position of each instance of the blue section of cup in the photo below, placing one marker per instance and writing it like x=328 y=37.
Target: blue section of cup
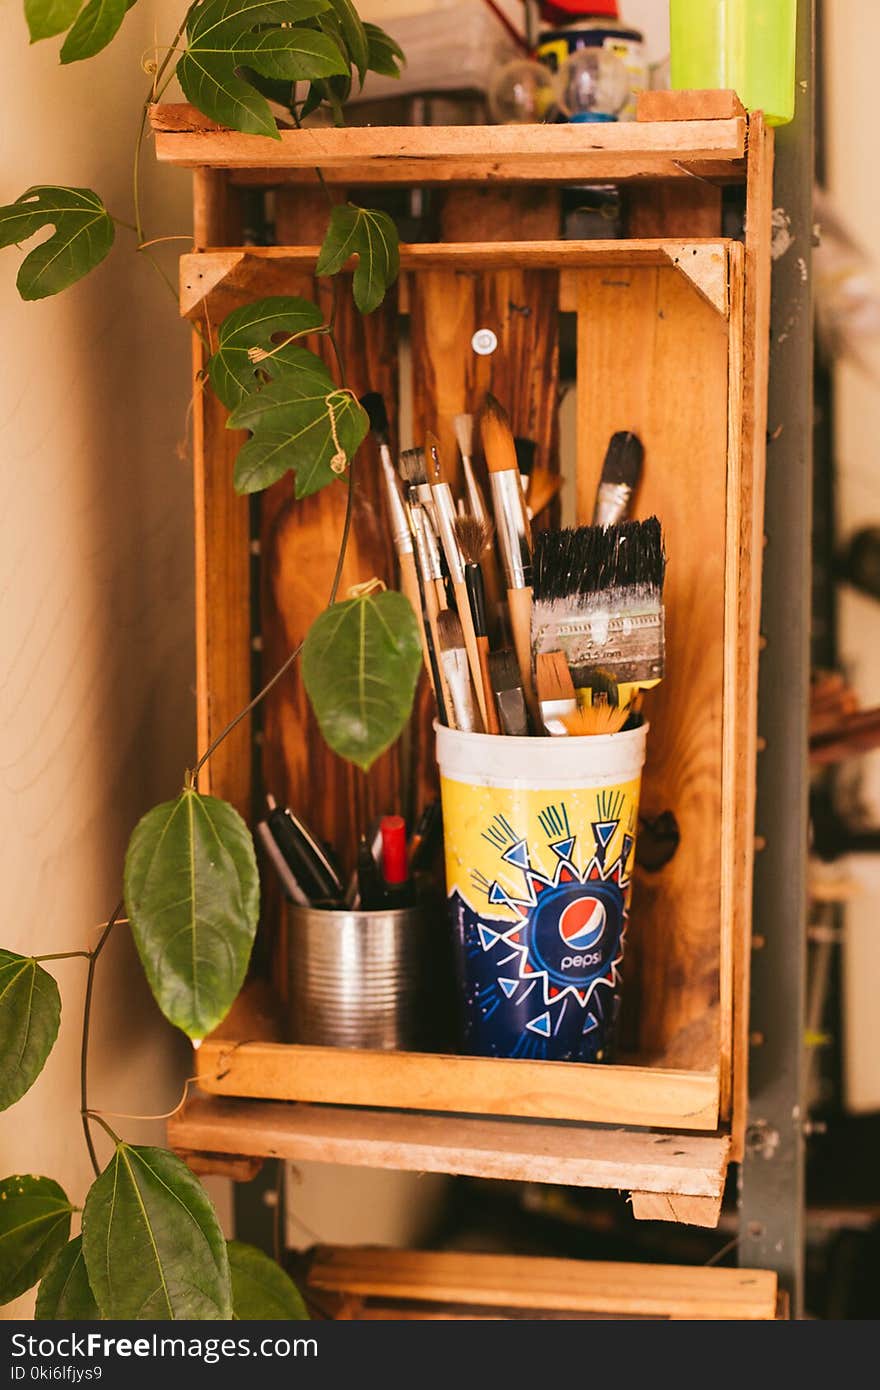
x=548 y=986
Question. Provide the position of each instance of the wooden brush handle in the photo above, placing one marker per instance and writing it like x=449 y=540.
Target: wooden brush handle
x=519 y=602
x=463 y=604
x=409 y=584
x=433 y=608
x=490 y=721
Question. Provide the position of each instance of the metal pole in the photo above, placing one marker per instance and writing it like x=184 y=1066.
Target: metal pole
x=772 y=1173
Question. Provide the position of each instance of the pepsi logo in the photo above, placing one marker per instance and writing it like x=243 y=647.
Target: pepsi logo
x=582 y=923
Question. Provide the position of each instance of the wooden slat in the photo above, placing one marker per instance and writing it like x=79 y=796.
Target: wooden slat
x=510 y=1281
x=675 y=1167
x=543 y=154
x=244 y=270
x=473 y=1085
x=756 y=336
x=222 y=555
x=692 y=105
x=686 y=1211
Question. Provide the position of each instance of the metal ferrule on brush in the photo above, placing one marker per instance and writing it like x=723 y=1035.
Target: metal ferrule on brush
x=612 y=503
x=512 y=527
x=444 y=510
x=401 y=532
x=427 y=549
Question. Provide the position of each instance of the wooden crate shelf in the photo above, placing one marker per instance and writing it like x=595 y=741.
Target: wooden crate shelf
x=672 y=324
x=369 y=1284
x=686 y=1170
x=459 y=154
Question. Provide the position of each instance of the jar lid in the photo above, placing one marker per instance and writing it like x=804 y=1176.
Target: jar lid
x=564 y=11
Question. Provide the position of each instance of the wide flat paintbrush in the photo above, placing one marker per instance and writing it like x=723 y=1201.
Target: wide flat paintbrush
x=474 y=538
x=444 y=507
x=620 y=478
x=401 y=527
x=556 y=693
x=507 y=685
x=598 y=599
x=513 y=531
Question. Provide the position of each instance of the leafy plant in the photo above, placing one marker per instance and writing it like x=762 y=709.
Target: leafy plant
x=150 y=1245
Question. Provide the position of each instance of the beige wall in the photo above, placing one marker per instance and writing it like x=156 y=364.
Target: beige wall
x=96 y=703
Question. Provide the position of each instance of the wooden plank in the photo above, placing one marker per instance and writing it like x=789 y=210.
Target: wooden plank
x=653 y=357
x=687 y=1211
x=663 y=1098
x=236 y=1167
x=759 y=206
x=244 y=269
x=676 y=1166
x=731 y=809
x=543 y=154
x=222 y=558
x=692 y=105
x=673 y=209
x=517 y=1281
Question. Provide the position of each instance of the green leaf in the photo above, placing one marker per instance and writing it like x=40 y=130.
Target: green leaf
x=384 y=53
x=226 y=36
x=34 y=1225
x=293 y=421
x=261 y=1291
x=65 y=1294
x=193 y=897
x=233 y=374
x=152 y=1243
x=353 y=31
x=46 y=18
x=83 y=235
x=360 y=665
x=373 y=237
x=30 y=1012
x=93 y=30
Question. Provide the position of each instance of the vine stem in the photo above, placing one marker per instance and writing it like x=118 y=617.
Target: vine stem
x=85 y=1113
x=65 y=955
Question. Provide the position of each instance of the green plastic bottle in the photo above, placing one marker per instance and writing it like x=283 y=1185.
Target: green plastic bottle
x=748 y=45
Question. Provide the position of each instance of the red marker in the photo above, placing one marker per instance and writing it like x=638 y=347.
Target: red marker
x=399 y=890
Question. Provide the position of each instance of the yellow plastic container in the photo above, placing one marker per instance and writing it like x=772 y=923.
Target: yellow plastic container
x=748 y=45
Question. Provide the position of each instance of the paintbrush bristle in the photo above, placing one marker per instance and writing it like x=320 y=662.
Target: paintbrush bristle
x=623 y=459
x=412 y=467
x=497 y=437
x=525 y=454
x=464 y=434
x=449 y=630
x=596 y=719
x=552 y=677
x=543 y=487
x=588 y=561
x=374 y=405
x=474 y=537
x=504 y=670
x=434 y=463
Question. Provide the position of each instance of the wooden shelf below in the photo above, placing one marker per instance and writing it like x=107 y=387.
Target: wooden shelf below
x=550 y=154
x=685 y=1172
x=367 y=1281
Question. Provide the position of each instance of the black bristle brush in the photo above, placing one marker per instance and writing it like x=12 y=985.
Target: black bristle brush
x=598 y=598
x=620 y=478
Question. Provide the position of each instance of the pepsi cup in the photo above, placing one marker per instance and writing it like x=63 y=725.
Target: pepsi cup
x=539 y=840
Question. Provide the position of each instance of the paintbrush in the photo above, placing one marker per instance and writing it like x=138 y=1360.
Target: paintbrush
x=508 y=688
x=543 y=487
x=620 y=478
x=401 y=527
x=454 y=661
x=600 y=718
x=414 y=473
x=598 y=599
x=464 y=434
x=514 y=532
x=474 y=538
x=525 y=459
x=556 y=693
x=444 y=507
